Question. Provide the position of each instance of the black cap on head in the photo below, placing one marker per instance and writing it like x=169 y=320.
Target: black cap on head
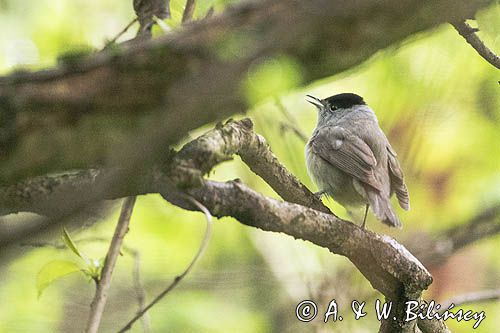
x=345 y=100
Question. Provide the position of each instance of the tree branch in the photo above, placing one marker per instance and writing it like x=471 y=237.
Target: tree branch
x=121 y=33
x=432 y=326
x=199 y=156
x=136 y=275
x=104 y=282
x=436 y=249
x=290 y=124
x=152 y=83
x=201 y=249
x=58 y=196
x=387 y=265
x=469 y=34
x=187 y=16
x=474 y=297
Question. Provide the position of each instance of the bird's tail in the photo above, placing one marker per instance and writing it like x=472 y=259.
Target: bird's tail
x=382 y=208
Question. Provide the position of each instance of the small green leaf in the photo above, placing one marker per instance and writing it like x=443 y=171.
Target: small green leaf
x=72 y=246
x=52 y=271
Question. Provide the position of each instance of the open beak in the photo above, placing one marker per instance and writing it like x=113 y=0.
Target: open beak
x=315 y=101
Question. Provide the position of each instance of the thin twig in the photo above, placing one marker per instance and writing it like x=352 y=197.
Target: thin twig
x=474 y=297
x=290 y=122
x=469 y=33
x=178 y=278
x=112 y=41
x=103 y=284
x=434 y=250
x=136 y=276
x=187 y=16
x=286 y=127
x=139 y=291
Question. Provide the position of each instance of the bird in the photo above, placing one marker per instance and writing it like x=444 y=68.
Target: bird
x=350 y=159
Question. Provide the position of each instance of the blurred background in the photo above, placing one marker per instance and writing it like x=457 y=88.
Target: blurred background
x=437 y=101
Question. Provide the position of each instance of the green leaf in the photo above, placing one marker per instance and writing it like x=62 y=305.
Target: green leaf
x=72 y=246
x=52 y=271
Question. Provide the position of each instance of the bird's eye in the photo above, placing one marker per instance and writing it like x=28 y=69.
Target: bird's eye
x=333 y=107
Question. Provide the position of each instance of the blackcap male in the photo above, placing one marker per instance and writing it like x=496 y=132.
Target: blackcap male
x=350 y=159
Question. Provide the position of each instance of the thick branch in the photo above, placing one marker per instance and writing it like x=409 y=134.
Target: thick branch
x=199 y=156
x=53 y=195
x=187 y=79
x=364 y=248
x=59 y=196
x=469 y=34
x=432 y=326
x=388 y=266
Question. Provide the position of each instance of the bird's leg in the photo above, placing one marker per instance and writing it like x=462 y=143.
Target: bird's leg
x=366 y=214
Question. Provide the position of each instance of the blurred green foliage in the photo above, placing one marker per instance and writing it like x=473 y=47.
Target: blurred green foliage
x=436 y=99
x=270 y=78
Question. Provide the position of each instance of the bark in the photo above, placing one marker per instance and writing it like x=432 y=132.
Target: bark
x=387 y=265
x=149 y=95
x=469 y=34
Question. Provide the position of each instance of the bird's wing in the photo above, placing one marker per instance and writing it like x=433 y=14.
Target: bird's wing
x=347 y=152
x=397 y=179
